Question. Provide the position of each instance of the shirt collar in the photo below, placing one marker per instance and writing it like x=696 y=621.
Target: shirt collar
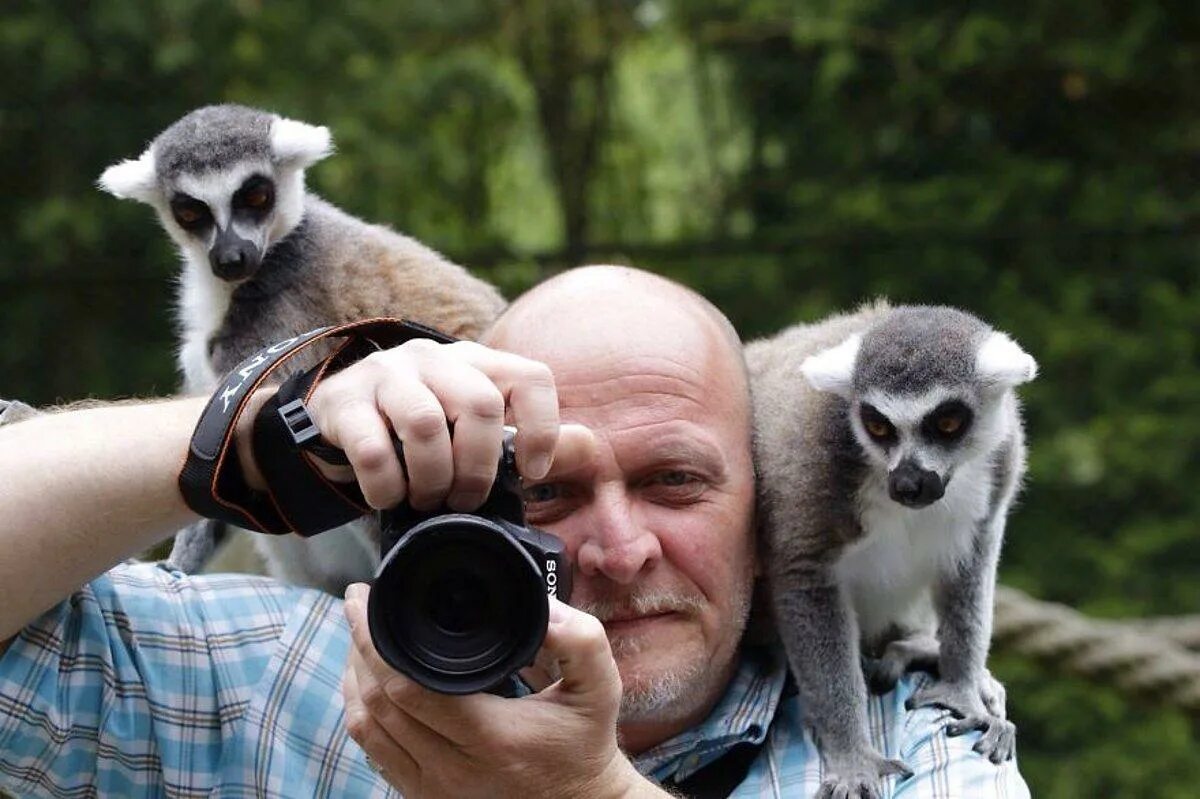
x=743 y=714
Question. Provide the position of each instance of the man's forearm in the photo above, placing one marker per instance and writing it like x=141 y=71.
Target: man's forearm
x=81 y=491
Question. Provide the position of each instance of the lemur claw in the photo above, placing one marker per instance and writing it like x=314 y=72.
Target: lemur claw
x=967 y=703
x=859 y=777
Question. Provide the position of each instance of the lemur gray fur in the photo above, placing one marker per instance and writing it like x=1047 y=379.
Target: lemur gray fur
x=264 y=260
x=889 y=447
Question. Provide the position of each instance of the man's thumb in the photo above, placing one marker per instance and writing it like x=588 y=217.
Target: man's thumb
x=579 y=644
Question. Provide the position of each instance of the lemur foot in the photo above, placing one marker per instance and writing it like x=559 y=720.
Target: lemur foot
x=999 y=739
x=916 y=651
x=858 y=776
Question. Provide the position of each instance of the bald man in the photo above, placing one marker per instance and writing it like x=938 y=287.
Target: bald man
x=634 y=441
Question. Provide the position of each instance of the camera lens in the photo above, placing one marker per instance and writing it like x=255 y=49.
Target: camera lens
x=458 y=604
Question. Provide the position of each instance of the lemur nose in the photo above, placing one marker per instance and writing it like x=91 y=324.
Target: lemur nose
x=914 y=487
x=232 y=257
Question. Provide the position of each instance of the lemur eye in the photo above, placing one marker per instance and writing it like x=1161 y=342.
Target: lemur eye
x=876 y=424
x=877 y=428
x=949 y=424
x=256 y=194
x=256 y=199
x=190 y=213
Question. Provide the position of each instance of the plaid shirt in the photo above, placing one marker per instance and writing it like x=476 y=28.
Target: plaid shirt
x=147 y=682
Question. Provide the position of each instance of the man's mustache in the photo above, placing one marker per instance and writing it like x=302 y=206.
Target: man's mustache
x=646 y=603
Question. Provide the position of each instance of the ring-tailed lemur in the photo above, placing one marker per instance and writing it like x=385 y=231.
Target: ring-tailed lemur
x=264 y=260
x=889 y=446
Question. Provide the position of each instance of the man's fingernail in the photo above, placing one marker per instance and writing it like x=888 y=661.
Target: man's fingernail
x=538 y=466
x=356 y=591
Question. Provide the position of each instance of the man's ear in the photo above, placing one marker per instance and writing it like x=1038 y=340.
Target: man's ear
x=833 y=369
x=132 y=180
x=1001 y=363
x=298 y=144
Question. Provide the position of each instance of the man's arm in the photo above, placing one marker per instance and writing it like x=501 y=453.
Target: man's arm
x=81 y=491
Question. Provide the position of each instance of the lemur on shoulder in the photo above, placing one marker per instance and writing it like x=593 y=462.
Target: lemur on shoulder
x=889 y=448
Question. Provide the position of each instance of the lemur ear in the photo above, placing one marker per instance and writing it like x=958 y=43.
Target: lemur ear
x=1001 y=363
x=132 y=180
x=833 y=369
x=299 y=144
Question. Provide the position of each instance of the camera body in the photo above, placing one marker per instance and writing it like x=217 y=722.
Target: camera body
x=460 y=600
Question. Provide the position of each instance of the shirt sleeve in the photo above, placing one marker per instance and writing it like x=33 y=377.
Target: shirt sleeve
x=946 y=767
x=132 y=684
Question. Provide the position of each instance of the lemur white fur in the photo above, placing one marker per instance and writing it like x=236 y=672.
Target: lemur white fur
x=300 y=265
x=885 y=539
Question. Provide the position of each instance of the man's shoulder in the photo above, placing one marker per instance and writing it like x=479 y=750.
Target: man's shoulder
x=943 y=765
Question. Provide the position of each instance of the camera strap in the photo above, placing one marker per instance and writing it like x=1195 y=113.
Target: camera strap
x=298 y=497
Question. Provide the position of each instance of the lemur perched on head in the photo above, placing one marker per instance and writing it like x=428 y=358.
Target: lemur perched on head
x=264 y=260
x=889 y=447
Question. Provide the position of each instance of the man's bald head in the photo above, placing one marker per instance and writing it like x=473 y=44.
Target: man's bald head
x=614 y=306
x=659 y=523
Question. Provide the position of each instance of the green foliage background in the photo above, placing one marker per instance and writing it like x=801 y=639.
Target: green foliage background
x=1035 y=162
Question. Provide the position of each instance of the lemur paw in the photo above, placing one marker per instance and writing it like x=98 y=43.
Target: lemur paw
x=918 y=651
x=859 y=776
x=972 y=712
x=994 y=696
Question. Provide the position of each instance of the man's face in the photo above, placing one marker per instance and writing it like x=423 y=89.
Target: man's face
x=658 y=524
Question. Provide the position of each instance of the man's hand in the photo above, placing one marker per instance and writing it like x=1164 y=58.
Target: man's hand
x=414 y=390
x=559 y=742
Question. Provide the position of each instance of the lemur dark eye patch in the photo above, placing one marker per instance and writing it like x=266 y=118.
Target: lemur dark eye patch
x=948 y=421
x=190 y=213
x=876 y=424
x=256 y=195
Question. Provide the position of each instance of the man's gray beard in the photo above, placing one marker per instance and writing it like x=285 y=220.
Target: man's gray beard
x=671 y=694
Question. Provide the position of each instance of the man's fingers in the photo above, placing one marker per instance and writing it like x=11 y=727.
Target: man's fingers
x=352 y=423
x=395 y=764
x=528 y=389
x=475 y=407
x=579 y=644
x=419 y=419
x=576 y=447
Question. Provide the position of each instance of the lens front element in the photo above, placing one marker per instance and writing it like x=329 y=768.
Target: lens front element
x=458 y=604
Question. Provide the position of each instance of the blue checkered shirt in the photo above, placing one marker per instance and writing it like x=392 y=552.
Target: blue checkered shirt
x=147 y=682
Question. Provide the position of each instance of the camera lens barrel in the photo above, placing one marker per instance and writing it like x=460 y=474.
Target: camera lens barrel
x=459 y=603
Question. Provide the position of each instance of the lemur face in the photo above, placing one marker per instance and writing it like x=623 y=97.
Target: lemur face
x=227 y=182
x=229 y=216
x=921 y=440
x=927 y=391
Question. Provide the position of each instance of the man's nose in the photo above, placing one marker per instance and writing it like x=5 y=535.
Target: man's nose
x=615 y=545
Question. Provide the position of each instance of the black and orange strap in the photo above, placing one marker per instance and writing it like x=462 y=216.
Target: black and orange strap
x=298 y=497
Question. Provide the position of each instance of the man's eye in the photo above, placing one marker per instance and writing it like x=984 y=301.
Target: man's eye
x=674 y=478
x=543 y=492
x=675 y=487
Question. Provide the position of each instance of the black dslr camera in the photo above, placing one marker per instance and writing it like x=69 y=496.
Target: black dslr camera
x=459 y=603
